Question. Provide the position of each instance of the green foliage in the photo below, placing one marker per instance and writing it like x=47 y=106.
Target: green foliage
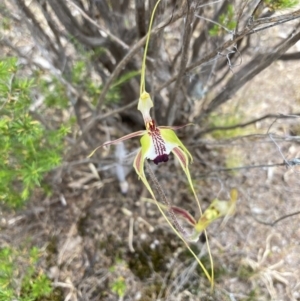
x=280 y=4
x=55 y=94
x=28 y=150
x=234 y=158
x=125 y=78
x=81 y=77
x=20 y=278
x=227 y=20
x=215 y=120
x=5 y=23
x=252 y=296
x=119 y=286
x=245 y=272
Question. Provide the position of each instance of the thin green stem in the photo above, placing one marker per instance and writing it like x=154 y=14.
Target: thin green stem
x=205 y=233
x=143 y=71
x=165 y=201
x=211 y=280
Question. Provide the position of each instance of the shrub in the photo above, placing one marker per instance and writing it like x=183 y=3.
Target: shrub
x=28 y=149
x=19 y=275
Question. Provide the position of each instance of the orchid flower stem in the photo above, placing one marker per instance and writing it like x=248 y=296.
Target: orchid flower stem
x=211 y=280
x=165 y=201
x=205 y=233
x=143 y=71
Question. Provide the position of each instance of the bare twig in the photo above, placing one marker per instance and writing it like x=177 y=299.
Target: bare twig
x=140 y=17
x=71 y=24
x=241 y=125
x=106 y=31
x=128 y=57
x=277 y=19
x=130 y=235
x=99 y=117
x=36 y=29
x=259 y=63
x=277 y=220
x=278 y=147
x=290 y=56
x=286 y=163
x=245 y=167
x=238 y=36
x=184 y=59
x=199 y=41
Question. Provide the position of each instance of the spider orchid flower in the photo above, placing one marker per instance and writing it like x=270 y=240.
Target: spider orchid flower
x=157 y=142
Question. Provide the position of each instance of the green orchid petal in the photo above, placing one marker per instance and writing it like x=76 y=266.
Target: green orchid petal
x=184 y=162
x=170 y=137
x=146 y=142
x=209 y=215
x=216 y=210
x=138 y=165
x=183 y=155
x=144 y=106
